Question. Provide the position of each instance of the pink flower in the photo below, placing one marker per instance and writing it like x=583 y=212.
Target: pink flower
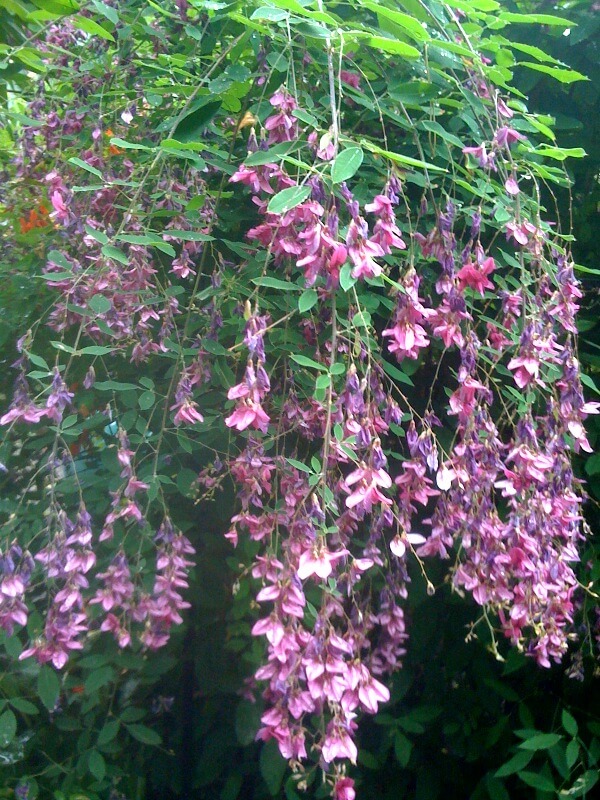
x=25 y=413
x=248 y=414
x=385 y=233
x=344 y=789
x=527 y=369
x=61 y=212
x=407 y=338
x=480 y=154
x=398 y=543
x=318 y=561
x=350 y=78
x=511 y=186
x=506 y=136
x=504 y=110
x=366 y=492
x=362 y=252
x=475 y=276
x=257 y=178
x=338 y=744
x=187 y=412
x=324 y=146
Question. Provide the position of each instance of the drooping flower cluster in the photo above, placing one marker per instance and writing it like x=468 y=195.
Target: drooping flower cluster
x=503 y=493
x=67 y=578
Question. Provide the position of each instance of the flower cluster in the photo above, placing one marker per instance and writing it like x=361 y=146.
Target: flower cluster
x=503 y=494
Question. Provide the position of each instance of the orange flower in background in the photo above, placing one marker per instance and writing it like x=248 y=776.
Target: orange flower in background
x=113 y=150
x=37 y=218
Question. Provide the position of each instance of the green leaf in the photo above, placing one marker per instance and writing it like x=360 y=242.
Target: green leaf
x=540 y=19
x=562 y=75
x=496 y=789
x=132 y=714
x=398 y=158
x=107 y=11
x=144 y=735
x=24 y=706
x=80 y=163
x=560 y=153
x=273 y=154
x=272 y=767
x=396 y=374
x=287 y=199
x=38 y=361
x=307 y=300
x=58 y=258
x=97 y=765
x=393 y=46
x=312 y=29
x=146 y=400
x=109 y=251
x=409 y=24
x=124 y=145
x=8 y=728
x=346 y=164
x=91 y=27
x=247 y=722
x=96 y=349
x=64 y=348
x=299 y=465
x=99 y=236
x=538 y=781
x=99 y=305
x=271 y=14
x=190 y=126
x=402 y=748
x=542 y=741
x=99 y=678
x=276 y=283
x=303 y=116
x=48 y=687
x=304 y=361
x=589 y=382
x=346 y=279
x=529 y=49
x=572 y=753
x=435 y=127
x=189 y=236
x=323 y=382
x=569 y=723
x=108 y=732
x=114 y=386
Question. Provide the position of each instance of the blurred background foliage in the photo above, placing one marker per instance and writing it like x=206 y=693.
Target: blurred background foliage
x=461 y=724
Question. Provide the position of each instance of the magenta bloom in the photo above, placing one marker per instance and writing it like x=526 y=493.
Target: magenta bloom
x=248 y=414
x=338 y=744
x=187 y=412
x=527 y=369
x=475 y=276
x=362 y=251
x=318 y=561
x=366 y=492
x=480 y=154
x=506 y=136
x=344 y=789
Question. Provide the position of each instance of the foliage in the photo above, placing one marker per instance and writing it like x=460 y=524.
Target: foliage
x=293 y=272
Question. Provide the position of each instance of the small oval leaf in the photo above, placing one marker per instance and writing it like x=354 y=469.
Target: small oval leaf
x=346 y=164
x=287 y=199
